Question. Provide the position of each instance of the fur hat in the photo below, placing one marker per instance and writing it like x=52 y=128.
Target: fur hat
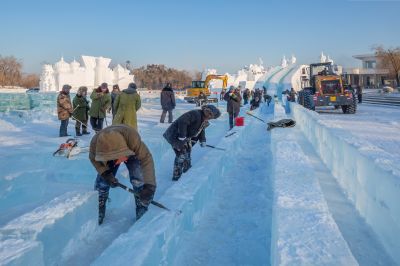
x=132 y=86
x=66 y=88
x=211 y=111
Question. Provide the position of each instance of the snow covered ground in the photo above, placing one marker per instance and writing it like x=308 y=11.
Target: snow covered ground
x=253 y=204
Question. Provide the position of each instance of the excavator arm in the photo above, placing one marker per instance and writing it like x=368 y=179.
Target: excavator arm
x=224 y=79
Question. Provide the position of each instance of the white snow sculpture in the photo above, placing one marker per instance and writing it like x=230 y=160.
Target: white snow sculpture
x=247 y=77
x=93 y=72
x=293 y=60
x=208 y=71
x=47 y=81
x=284 y=62
x=261 y=61
x=322 y=58
x=329 y=60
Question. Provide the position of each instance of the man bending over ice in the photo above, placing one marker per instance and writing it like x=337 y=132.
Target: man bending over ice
x=122 y=144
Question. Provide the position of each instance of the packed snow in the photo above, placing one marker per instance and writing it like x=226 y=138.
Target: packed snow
x=321 y=193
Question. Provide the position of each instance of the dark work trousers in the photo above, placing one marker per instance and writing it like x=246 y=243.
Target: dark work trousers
x=96 y=123
x=64 y=127
x=183 y=160
x=78 y=125
x=164 y=113
x=232 y=117
x=359 y=96
x=136 y=179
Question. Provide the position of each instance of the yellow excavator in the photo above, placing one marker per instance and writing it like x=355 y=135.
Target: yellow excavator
x=198 y=86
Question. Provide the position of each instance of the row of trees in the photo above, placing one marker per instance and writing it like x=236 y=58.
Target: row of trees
x=11 y=74
x=155 y=77
x=389 y=59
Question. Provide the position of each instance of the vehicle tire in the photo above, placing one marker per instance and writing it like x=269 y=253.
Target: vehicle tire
x=353 y=106
x=307 y=100
x=300 y=99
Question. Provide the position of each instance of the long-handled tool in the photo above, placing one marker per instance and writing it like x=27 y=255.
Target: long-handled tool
x=155 y=203
x=211 y=146
x=250 y=114
x=79 y=121
x=230 y=134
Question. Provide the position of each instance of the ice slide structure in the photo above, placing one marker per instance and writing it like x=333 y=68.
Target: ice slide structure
x=300 y=196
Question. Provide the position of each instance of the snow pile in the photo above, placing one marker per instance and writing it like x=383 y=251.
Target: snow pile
x=373 y=189
x=303 y=230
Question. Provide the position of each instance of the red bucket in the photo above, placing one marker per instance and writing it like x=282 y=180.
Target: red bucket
x=239 y=121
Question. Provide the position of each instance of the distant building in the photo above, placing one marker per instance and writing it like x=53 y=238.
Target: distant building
x=93 y=72
x=368 y=75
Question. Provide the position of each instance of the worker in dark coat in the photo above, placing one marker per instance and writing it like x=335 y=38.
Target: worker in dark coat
x=359 y=94
x=201 y=99
x=184 y=132
x=114 y=93
x=255 y=103
x=167 y=103
x=291 y=97
x=246 y=96
x=234 y=100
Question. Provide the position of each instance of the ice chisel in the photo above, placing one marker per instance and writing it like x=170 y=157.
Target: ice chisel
x=133 y=192
x=210 y=146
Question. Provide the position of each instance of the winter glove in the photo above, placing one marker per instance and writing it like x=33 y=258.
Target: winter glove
x=110 y=178
x=180 y=145
x=146 y=194
x=203 y=144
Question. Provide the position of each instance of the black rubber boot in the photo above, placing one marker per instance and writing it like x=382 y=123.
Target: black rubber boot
x=84 y=131
x=102 y=208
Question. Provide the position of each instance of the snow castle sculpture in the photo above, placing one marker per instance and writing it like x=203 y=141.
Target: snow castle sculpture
x=293 y=60
x=284 y=62
x=322 y=58
x=95 y=70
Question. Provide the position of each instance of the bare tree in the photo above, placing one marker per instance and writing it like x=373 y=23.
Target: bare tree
x=389 y=59
x=157 y=76
x=11 y=74
x=29 y=81
x=10 y=71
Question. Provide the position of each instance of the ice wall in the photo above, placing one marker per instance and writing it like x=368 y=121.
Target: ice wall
x=303 y=230
x=154 y=238
x=374 y=190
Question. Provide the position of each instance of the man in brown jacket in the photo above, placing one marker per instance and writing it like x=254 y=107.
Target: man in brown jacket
x=108 y=149
x=64 y=109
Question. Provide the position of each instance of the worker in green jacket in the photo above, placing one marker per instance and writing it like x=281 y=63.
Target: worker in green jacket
x=81 y=109
x=101 y=103
x=126 y=105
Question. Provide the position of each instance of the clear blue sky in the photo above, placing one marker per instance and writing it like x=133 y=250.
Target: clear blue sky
x=193 y=35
